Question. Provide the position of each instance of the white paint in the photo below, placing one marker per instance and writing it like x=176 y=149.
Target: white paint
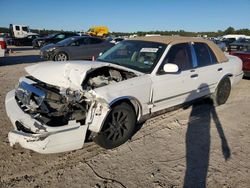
x=68 y=74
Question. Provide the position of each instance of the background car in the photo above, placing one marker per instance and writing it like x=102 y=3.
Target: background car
x=75 y=48
x=3 y=47
x=245 y=57
x=242 y=44
x=52 y=38
x=220 y=44
x=25 y=41
x=117 y=40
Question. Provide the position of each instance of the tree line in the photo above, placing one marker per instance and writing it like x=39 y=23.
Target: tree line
x=229 y=30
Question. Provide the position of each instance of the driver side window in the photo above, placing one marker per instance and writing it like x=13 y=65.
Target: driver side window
x=179 y=54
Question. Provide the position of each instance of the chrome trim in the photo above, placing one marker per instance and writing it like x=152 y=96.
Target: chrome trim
x=201 y=88
x=32 y=89
x=25 y=91
x=239 y=74
x=193 y=54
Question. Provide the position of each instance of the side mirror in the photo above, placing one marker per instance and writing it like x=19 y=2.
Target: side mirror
x=170 y=68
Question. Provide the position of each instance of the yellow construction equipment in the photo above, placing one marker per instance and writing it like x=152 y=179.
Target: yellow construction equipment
x=99 y=31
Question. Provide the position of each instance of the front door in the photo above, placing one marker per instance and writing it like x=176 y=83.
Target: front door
x=170 y=89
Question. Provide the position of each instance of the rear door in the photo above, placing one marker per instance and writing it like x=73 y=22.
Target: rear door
x=95 y=46
x=208 y=70
x=77 y=49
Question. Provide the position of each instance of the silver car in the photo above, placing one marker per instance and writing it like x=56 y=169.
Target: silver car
x=75 y=48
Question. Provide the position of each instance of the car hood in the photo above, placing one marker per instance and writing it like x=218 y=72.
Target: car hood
x=68 y=74
x=49 y=46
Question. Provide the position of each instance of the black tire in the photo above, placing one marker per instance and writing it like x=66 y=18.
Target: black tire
x=222 y=92
x=61 y=56
x=118 y=127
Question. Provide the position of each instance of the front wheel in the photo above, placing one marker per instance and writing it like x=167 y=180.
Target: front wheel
x=222 y=92
x=61 y=56
x=118 y=127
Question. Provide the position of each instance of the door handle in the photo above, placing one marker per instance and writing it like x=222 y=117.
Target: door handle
x=194 y=76
x=219 y=69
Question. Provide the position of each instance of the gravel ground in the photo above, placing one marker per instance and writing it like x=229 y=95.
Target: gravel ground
x=194 y=147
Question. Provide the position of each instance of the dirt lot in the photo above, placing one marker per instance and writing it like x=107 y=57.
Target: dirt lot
x=197 y=146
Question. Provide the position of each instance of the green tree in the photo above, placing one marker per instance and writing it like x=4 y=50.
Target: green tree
x=229 y=30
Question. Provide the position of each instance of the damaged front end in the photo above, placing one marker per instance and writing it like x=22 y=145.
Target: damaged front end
x=52 y=119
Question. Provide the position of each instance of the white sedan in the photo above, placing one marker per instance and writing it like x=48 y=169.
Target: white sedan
x=59 y=105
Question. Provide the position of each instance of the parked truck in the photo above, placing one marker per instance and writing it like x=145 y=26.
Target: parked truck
x=21 y=35
x=20 y=31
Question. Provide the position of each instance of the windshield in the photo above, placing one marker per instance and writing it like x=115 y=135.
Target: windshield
x=25 y=29
x=138 y=55
x=51 y=35
x=67 y=41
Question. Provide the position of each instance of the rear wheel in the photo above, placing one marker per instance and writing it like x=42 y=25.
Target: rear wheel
x=222 y=92
x=118 y=127
x=61 y=56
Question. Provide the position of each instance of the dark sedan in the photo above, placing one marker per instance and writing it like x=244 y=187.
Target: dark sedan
x=25 y=41
x=245 y=57
x=241 y=44
x=52 y=38
x=75 y=48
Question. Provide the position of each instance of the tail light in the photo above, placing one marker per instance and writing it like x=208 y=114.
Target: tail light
x=3 y=45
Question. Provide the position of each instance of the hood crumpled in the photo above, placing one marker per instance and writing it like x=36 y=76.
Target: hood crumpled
x=68 y=74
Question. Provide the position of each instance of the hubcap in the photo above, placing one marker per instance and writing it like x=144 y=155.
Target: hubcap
x=117 y=125
x=61 y=57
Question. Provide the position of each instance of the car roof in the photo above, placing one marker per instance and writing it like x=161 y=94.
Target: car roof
x=85 y=36
x=221 y=57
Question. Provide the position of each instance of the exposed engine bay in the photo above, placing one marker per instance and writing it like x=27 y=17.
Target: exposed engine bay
x=55 y=106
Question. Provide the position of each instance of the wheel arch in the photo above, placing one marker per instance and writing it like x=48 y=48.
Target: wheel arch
x=132 y=101
x=228 y=75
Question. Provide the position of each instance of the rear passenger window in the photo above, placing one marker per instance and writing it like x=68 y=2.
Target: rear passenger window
x=213 y=57
x=95 y=41
x=179 y=54
x=83 y=41
x=204 y=57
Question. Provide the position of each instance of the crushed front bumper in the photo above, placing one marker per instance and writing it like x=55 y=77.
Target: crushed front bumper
x=34 y=135
x=47 y=55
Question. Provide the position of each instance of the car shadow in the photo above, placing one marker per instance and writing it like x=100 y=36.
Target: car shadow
x=246 y=78
x=20 y=48
x=198 y=141
x=14 y=60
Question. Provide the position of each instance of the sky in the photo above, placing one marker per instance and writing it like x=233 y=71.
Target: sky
x=127 y=15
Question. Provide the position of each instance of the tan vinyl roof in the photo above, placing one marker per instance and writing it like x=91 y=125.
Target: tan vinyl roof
x=176 y=39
